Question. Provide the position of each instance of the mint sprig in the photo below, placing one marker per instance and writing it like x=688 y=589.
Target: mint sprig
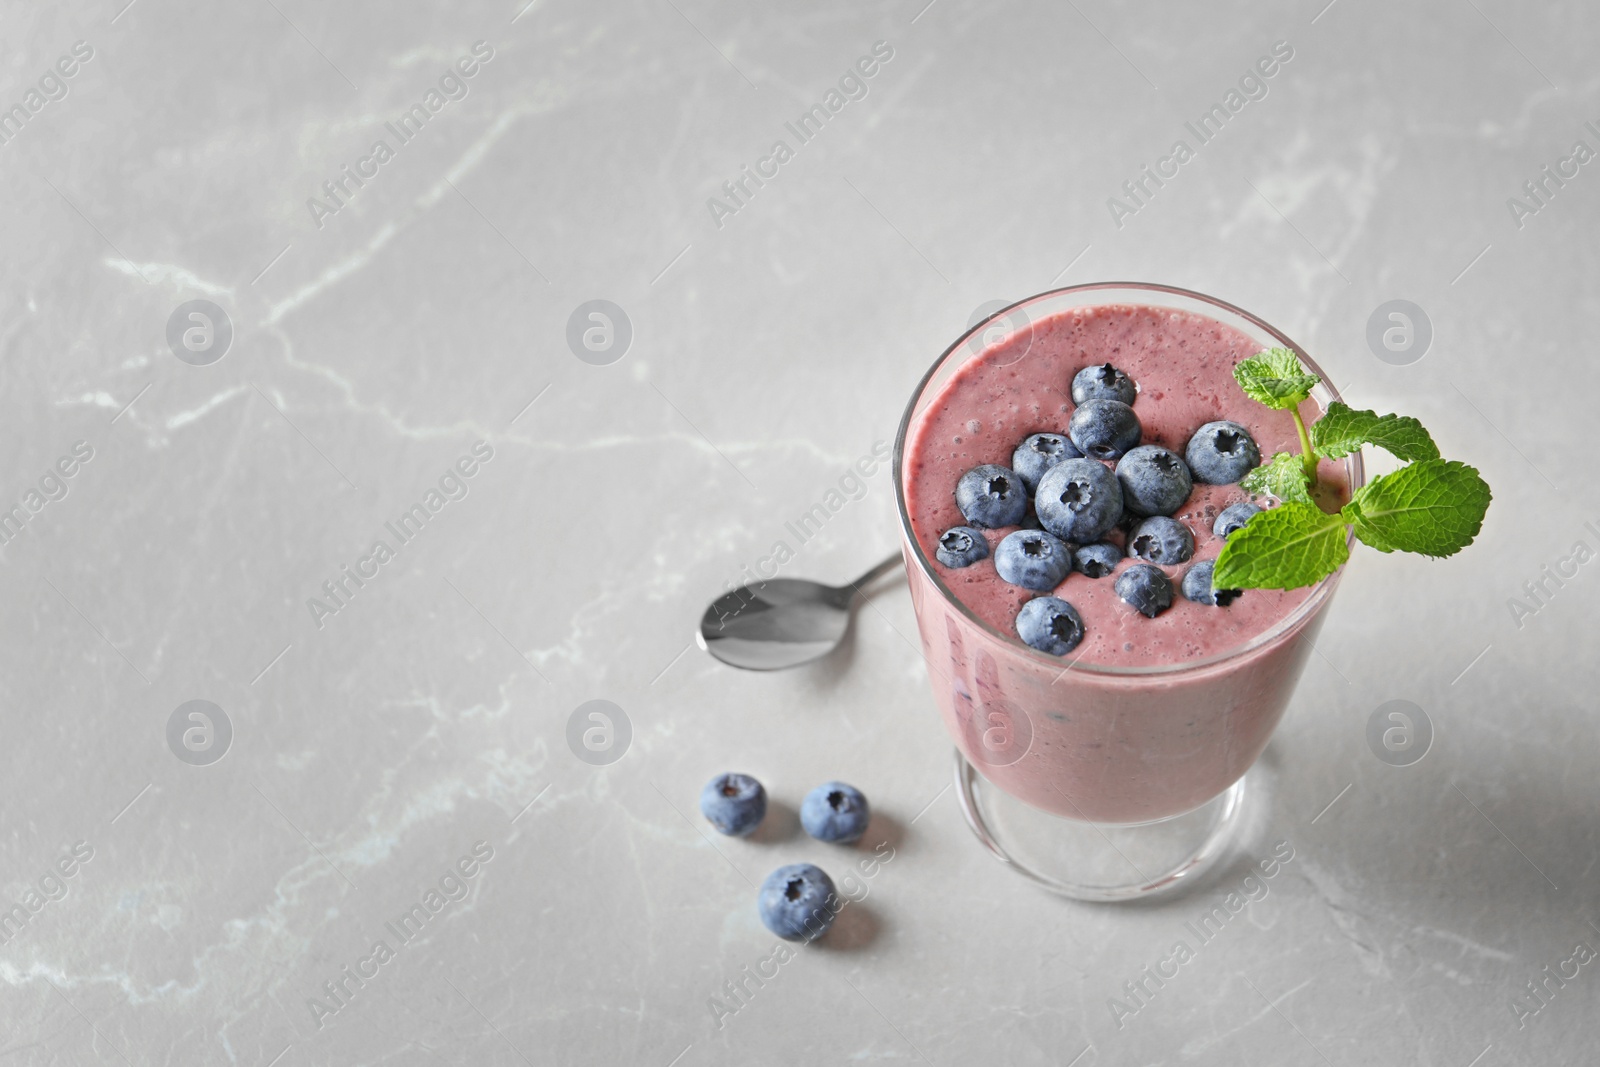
x=1342 y=430
x=1275 y=378
x=1291 y=545
x=1434 y=507
x=1283 y=476
x=1431 y=506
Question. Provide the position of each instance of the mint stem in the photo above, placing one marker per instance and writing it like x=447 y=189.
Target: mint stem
x=1307 y=456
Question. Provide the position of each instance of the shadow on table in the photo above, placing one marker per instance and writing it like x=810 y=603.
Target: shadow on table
x=856 y=927
x=782 y=823
x=1451 y=847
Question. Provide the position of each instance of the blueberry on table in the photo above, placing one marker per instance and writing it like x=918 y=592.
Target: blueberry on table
x=1154 y=480
x=1221 y=453
x=834 y=811
x=1196 y=586
x=1097 y=560
x=1146 y=589
x=1104 y=382
x=1050 y=624
x=798 y=902
x=961 y=546
x=1104 y=429
x=1078 y=500
x=990 y=496
x=734 y=803
x=1233 y=518
x=1038 y=453
x=1033 y=559
x=1160 y=539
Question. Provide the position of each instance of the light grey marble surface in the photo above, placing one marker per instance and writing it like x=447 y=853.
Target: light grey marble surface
x=375 y=747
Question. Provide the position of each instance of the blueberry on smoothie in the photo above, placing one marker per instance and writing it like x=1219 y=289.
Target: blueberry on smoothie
x=1050 y=624
x=1103 y=383
x=834 y=811
x=1033 y=559
x=1104 y=429
x=734 y=803
x=1160 y=539
x=961 y=546
x=1078 y=500
x=990 y=496
x=1097 y=560
x=1221 y=453
x=798 y=902
x=1233 y=518
x=1146 y=589
x=1038 y=453
x=1154 y=480
x=1196 y=586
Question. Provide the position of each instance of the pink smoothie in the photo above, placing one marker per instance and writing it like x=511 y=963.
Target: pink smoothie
x=1062 y=735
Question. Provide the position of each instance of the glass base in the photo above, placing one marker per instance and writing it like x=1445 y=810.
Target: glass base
x=1098 y=861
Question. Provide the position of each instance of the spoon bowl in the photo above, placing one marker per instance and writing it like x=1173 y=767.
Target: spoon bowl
x=782 y=622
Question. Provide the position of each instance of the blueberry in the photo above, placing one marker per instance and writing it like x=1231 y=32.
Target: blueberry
x=1233 y=518
x=1221 y=453
x=1154 y=481
x=990 y=496
x=1102 y=383
x=734 y=803
x=1033 y=559
x=961 y=546
x=1050 y=624
x=1078 y=500
x=1104 y=429
x=1146 y=588
x=1097 y=560
x=1160 y=539
x=798 y=902
x=1038 y=453
x=1197 y=586
x=834 y=811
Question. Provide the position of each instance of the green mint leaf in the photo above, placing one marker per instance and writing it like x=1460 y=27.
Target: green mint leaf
x=1283 y=476
x=1343 y=430
x=1433 y=506
x=1275 y=378
x=1285 y=547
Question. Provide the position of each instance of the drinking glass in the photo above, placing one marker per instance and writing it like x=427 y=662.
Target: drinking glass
x=1098 y=781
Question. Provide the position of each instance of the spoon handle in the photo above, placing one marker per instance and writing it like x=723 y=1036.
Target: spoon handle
x=894 y=561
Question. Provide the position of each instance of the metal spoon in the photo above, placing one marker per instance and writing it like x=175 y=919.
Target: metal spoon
x=782 y=622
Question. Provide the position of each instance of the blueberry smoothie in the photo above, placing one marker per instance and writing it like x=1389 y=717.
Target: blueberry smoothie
x=1070 y=487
